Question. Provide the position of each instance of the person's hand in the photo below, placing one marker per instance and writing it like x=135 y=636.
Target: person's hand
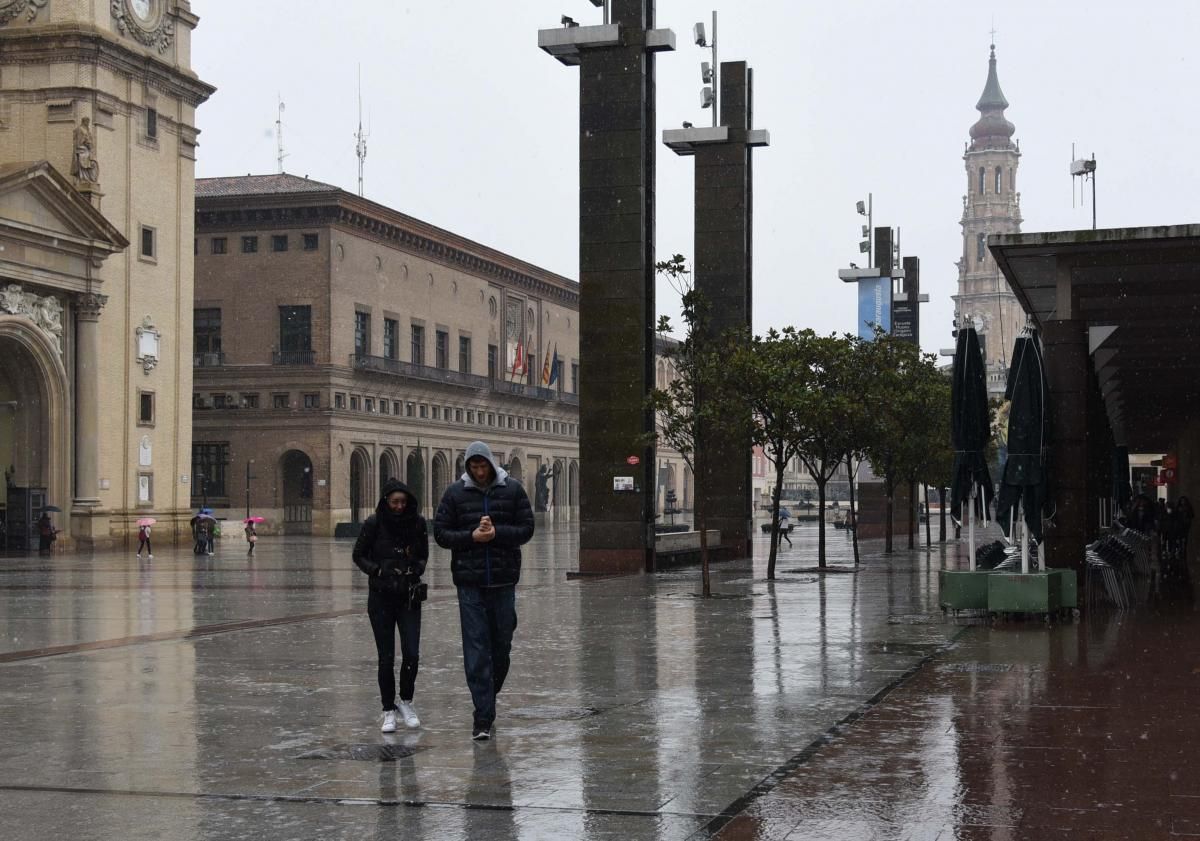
x=485 y=532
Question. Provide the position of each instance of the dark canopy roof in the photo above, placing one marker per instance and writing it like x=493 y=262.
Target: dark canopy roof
x=1138 y=290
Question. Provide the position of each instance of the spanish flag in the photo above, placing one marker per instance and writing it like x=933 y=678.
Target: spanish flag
x=546 y=369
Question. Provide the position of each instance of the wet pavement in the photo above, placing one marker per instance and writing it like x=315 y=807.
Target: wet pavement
x=229 y=697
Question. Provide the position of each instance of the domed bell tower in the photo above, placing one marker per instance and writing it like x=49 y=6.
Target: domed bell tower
x=991 y=205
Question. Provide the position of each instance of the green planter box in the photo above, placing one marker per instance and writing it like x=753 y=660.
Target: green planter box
x=1036 y=592
x=963 y=590
x=1068 y=592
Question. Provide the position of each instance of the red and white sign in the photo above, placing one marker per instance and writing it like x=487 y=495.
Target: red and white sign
x=633 y=460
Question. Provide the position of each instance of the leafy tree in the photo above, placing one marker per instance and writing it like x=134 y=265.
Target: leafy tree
x=937 y=468
x=774 y=380
x=826 y=413
x=701 y=401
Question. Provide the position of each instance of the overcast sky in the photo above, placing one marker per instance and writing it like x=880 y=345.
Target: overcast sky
x=474 y=129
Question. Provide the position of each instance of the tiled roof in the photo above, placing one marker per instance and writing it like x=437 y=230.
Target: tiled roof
x=259 y=185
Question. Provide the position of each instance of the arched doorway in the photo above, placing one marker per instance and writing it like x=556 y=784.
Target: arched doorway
x=573 y=483
x=558 y=483
x=389 y=468
x=460 y=467
x=414 y=470
x=514 y=469
x=296 y=469
x=441 y=478
x=360 y=484
x=33 y=431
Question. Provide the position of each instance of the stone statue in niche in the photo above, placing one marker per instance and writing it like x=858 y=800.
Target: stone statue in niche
x=84 y=165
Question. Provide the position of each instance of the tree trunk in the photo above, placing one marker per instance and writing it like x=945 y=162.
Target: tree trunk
x=912 y=505
x=928 y=516
x=704 y=557
x=821 y=520
x=941 y=515
x=889 y=489
x=775 y=519
x=852 y=522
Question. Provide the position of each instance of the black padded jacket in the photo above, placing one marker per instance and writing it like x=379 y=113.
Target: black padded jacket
x=495 y=563
x=386 y=548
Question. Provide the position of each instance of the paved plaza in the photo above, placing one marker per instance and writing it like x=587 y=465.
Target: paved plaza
x=233 y=697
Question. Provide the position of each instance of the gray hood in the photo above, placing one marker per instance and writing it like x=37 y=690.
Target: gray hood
x=478 y=448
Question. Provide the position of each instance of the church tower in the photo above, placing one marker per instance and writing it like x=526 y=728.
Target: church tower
x=97 y=155
x=992 y=205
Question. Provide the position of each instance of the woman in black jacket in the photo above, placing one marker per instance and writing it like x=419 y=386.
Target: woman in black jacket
x=392 y=549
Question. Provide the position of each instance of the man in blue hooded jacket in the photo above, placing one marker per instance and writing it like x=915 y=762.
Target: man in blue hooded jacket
x=483 y=519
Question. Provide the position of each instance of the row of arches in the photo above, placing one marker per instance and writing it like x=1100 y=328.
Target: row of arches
x=366 y=483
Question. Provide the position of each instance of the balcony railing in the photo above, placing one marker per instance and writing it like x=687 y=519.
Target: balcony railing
x=384 y=365
x=293 y=357
x=208 y=359
x=533 y=391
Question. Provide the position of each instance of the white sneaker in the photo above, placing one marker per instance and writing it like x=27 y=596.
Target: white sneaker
x=389 y=721
x=409 y=714
x=151 y=557
x=139 y=556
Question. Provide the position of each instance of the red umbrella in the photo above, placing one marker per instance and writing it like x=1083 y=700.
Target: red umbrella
x=255 y=520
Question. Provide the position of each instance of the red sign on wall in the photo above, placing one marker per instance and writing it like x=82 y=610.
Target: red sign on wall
x=633 y=460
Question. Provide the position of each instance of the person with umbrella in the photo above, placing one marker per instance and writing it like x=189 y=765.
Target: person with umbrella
x=251 y=532
x=144 y=525
x=785 y=526
x=47 y=533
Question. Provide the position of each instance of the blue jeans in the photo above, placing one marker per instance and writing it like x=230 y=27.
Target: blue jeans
x=489 y=618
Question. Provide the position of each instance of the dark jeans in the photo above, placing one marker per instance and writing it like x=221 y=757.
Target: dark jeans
x=489 y=617
x=144 y=542
x=387 y=612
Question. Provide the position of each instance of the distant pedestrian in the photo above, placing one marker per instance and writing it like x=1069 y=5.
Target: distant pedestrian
x=392 y=549
x=47 y=534
x=483 y=519
x=144 y=541
x=785 y=525
x=251 y=537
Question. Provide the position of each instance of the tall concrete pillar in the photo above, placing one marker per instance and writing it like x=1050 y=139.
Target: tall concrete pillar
x=1065 y=343
x=723 y=274
x=617 y=315
x=87 y=399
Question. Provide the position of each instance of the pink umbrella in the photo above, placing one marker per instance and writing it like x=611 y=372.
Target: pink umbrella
x=147 y=521
x=255 y=520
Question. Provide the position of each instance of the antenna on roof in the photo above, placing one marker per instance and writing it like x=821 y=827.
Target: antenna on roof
x=279 y=136
x=360 y=146
x=1085 y=170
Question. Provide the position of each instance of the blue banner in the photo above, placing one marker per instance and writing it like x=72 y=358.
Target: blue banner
x=874 y=305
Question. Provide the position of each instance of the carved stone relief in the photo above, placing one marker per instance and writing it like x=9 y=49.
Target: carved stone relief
x=147 y=344
x=45 y=312
x=10 y=9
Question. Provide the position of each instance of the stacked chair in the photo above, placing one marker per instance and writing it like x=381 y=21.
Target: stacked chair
x=1113 y=564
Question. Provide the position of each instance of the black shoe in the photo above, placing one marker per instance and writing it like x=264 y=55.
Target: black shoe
x=481 y=732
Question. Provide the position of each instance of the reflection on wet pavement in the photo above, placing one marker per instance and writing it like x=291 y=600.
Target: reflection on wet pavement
x=228 y=697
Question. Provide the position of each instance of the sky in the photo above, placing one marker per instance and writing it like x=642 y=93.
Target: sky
x=474 y=129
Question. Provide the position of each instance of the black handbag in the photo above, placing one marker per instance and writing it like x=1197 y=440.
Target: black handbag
x=417 y=592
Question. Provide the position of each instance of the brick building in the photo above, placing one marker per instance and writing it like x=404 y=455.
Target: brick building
x=339 y=343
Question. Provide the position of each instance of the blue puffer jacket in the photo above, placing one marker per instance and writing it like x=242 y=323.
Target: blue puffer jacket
x=497 y=562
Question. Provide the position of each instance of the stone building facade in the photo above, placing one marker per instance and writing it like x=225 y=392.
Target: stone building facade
x=992 y=205
x=340 y=343
x=97 y=152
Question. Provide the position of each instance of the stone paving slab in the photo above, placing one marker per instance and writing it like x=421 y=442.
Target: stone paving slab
x=188 y=698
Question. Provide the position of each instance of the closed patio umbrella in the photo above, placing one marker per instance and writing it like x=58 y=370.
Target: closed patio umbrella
x=970 y=429
x=1024 y=479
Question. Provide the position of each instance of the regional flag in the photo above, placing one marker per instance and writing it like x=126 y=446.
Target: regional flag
x=546 y=369
x=553 y=367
